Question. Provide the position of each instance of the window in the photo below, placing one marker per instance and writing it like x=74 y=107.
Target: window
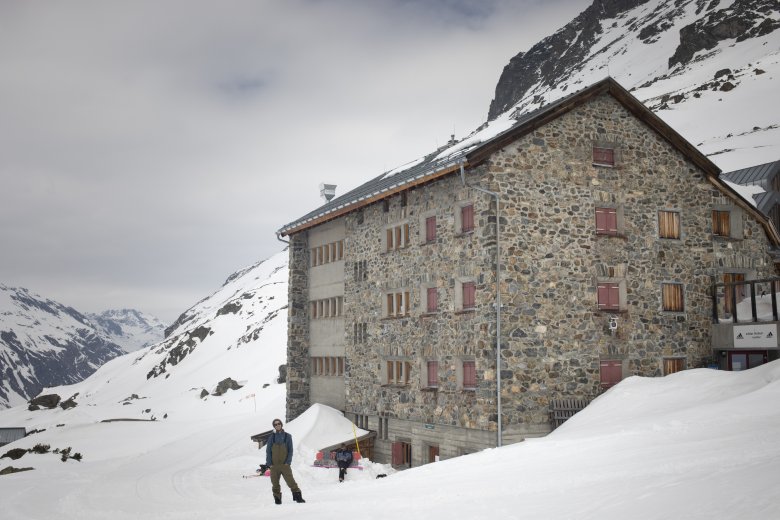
x=672 y=297
x=398 y=304
x=398 y=372
x=669 y=224
x=402 y=454
x=672 y=365
x=430 y=230
x=608 y=294
x=469 y=375
x=469 y=295
x=467 y=218
x=432 y=371
x=397 y=237
x=606 y=221
x=721 y=223
x=327 y=308
x=327 y=366
x=361 y=270
x=327 y=253
x=603 y=156
x=360 y=333
x=611 y=372
x=432 y=299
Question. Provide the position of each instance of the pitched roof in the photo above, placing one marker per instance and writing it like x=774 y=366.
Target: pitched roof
x=473 y=150
x=753 y=174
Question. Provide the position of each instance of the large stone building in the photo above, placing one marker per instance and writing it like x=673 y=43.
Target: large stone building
x=608 y=233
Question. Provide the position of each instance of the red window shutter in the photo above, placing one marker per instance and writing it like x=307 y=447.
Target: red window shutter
x=605 y=156
x=433 y=299
x=469 y=293
x=467 y=218
x=398 y=454
x=608 y=296
x=469 y=374
x=430 y=229
x=611 y=372
x=606 y=221
x=433 y=374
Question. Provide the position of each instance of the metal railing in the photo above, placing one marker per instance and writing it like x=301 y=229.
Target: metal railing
x=745 y=301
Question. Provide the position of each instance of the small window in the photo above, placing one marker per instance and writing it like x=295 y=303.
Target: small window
x=469 y=295
x=669 y=224
x=397 y=237
x=432 y=298
x=402 y=454
x=398 y=304
x=672 y=296
x=398 y=372
x=433 y=374
x=603 y=156
x=611 y=372
x=606 y=221
x=430 y=229
x=469 y=375
x=467 y=218
x=672 y=365
x=608 y=294
x=721 y=223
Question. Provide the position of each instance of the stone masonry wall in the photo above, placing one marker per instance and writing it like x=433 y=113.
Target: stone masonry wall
x=298 y=398
x=553 y=334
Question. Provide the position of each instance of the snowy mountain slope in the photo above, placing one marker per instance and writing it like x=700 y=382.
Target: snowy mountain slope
x=711 y=69
x=129 y=328
x=44 y=343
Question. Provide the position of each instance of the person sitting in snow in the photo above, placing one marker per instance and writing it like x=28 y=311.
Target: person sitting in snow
x=278 y=456
x=343 y=459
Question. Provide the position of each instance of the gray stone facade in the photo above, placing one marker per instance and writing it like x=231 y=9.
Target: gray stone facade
x=553 y=335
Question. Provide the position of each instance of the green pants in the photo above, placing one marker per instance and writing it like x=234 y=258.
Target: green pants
x=285 y=471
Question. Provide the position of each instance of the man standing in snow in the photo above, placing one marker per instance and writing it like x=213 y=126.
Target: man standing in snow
x=278 y=455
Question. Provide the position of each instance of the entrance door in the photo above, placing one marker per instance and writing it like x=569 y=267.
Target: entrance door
x=433 y=454
x=743 y=360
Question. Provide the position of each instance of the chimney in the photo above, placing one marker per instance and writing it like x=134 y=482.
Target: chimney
x=327 y=191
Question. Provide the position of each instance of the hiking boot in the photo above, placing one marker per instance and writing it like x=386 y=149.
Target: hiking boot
x=297 y=497
x=278 y=499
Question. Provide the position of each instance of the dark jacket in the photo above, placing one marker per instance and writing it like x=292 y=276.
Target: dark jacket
x=343 y=458
x=279 y=448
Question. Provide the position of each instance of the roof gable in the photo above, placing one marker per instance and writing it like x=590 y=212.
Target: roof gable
x=472 y=152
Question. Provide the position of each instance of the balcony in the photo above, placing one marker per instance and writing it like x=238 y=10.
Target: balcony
x=745 y=314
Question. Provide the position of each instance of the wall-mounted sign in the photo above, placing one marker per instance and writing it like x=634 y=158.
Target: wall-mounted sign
x=755 y=336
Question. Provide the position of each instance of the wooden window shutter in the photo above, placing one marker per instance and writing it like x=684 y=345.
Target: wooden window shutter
x=608 y=295
x=672 y=296
x=430 y=229
x=433 y=374
x=469 y=374
x=672 y=365
x=669 y=224
x=611 y=372
x=433 y=299
x=469 y=295
x=721 y=223
x=398 y=454
x=606 y=221
x=604 y=156
x=467 y=218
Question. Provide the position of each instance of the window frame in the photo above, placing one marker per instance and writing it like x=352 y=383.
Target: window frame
x=615 y=298
x=672 y=297
x=606 y=377
x=603 y=155
x=611 y=222
x=431 y=374
x=467 y=221
x=397 y=372
x=668 y=230
x=468 y=377
x=430 y=229
x=396 y=237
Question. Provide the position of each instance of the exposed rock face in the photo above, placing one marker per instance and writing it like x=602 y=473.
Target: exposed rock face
x=225 y=385
x=561 y=57
x=45 y=344
x=45 y=401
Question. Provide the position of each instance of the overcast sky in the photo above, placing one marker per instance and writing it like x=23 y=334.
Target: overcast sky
x=149 y=149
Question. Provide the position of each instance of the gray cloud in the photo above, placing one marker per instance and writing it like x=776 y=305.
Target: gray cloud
x=150 y=149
